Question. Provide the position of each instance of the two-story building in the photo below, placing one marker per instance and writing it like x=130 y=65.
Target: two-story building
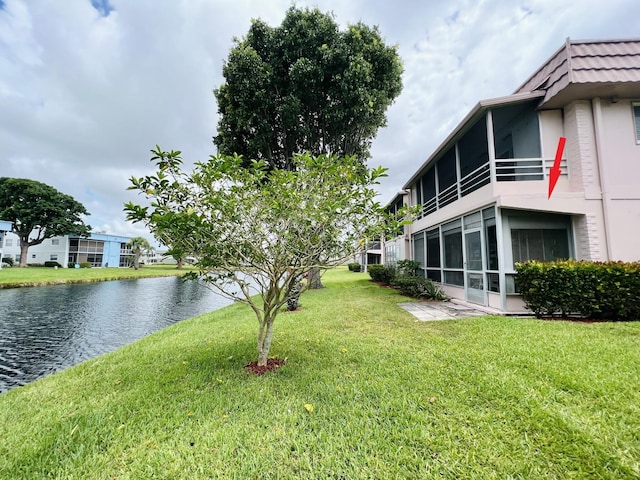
x=484 y=190
x=99 y=249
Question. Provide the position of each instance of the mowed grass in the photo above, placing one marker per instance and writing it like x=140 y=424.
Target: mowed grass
x=37 y=276
x=367 y=392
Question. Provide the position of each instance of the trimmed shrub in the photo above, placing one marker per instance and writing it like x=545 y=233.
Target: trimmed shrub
x=418 y=287
x=354 y=267
x=51 y=263
x=85 y=264
x=408 y=267
x=375 y=272
x=8 y=261
x=597 y=290
x=381 y=273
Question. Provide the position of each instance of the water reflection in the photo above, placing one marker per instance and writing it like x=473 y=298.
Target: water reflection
x=46 y=329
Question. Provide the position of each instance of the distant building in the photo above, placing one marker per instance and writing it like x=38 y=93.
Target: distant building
x=4 y=228
x=158 y=258
x=99 y=249
x=484 y=190
x=162 y=257
x=369 y=254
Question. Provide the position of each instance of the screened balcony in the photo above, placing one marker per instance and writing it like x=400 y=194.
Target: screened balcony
x=498 y=144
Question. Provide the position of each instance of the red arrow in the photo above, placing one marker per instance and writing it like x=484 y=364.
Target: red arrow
x=554 y=173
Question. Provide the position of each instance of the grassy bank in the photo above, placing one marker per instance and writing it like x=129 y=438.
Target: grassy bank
x=368 y=392
x=36 y=276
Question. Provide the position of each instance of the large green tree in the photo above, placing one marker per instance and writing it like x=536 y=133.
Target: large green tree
x=39 y=211
x=256 y=230
x=305 y=86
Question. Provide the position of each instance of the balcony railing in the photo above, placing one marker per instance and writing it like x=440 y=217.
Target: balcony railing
x=480 y=177
x=522 y=169
x=507 y=170
x=448 y=195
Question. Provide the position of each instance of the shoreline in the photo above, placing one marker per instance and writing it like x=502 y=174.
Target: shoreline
x=31 y=279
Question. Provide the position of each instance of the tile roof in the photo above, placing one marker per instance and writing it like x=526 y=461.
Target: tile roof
x=578 y=64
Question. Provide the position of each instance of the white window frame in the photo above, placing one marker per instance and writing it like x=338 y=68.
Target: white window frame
x=635 y=106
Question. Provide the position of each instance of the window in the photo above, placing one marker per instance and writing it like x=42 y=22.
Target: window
x=539 y=244
x=53 y=258
x=433 y=248
x=636 y=117
x=433 y=255
x=33 y=255
x=55 y=241
x=454 y=278
x=418 y=248
x=453 y=249
x=491 y=245
x=428 y=183
x=473 y=148
x=391 y=253
x=447 y=179
x=452 y=243
x=8 y=242
x=493 y=282
x=516 y=131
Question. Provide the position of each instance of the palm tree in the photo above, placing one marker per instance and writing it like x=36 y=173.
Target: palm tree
x=139 y=245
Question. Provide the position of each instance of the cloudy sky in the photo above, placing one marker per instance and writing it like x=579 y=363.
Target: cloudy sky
x=88 y=87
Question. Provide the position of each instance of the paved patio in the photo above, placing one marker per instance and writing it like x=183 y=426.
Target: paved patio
x=430 y=311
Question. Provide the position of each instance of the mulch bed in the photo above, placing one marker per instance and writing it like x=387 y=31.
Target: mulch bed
x=272 y=364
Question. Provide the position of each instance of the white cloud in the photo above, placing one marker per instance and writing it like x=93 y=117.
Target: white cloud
x=83 y=97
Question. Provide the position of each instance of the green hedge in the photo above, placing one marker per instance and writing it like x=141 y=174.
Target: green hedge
x=406 y=283
x=381 y=273
x=418 y=287
x=354 y=267
x=597 y=290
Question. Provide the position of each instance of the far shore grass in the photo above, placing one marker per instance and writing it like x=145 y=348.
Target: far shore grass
x=13 y=277
x=368 y=392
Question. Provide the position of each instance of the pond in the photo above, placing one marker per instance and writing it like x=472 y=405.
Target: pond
x=47 y=329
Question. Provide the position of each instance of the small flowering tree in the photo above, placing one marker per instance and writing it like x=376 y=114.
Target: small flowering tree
x=256 y=230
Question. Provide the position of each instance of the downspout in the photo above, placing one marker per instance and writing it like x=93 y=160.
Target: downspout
x=599 y=138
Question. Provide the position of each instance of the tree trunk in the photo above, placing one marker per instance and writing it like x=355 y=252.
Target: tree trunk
x=24 y=251
x=315 y=281
x=179 y=267
x=293 y=297
x=265 y=335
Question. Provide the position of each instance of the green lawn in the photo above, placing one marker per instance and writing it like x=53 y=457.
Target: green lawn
x=367 y=392
x=36 y=276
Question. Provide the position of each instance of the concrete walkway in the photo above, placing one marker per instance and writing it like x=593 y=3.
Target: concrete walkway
x=429 y=311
